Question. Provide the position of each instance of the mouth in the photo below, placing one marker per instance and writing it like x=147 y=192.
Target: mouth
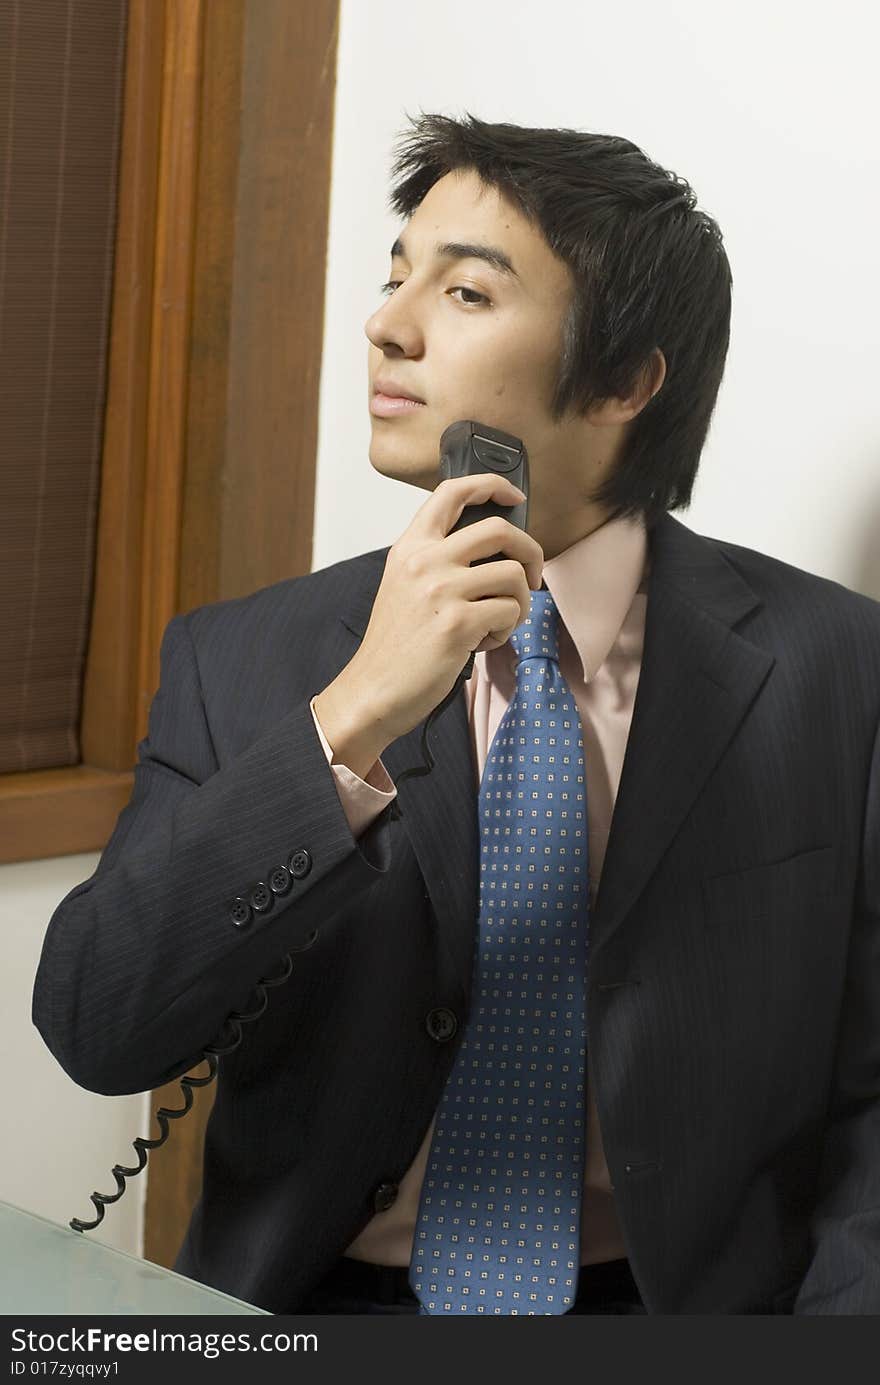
x=390 y=389
x=385 y=404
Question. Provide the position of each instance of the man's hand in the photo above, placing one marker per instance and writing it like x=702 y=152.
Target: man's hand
x=431 y=610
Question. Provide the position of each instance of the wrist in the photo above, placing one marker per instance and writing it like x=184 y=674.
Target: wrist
x=353 y=728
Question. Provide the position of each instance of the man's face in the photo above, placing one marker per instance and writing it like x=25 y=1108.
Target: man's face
x=471 y=341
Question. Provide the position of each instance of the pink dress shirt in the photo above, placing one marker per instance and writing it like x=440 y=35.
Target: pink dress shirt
x=599 y=585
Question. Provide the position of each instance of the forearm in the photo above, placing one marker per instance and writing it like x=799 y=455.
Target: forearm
x=352 y=723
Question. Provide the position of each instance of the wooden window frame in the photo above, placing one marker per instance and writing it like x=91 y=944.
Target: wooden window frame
x=188 y=509
x=55 y=812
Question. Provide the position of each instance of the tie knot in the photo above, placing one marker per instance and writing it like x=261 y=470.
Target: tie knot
x=537 y=636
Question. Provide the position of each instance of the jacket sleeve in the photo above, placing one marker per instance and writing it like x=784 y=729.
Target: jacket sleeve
x=142 y=962
x=843 y=1276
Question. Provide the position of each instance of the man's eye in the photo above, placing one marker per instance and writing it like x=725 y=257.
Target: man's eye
x=460 y=288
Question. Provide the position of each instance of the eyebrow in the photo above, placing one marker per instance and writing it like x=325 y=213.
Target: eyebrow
x=463 y=250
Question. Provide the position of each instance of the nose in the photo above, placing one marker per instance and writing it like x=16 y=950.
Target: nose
x=392 y=329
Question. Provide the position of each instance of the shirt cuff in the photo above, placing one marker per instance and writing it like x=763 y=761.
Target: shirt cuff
x=362 y=799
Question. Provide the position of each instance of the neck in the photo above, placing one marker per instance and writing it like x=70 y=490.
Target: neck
x=556 y=533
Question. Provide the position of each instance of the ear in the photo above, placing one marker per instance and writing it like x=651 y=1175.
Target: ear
x=651 y=378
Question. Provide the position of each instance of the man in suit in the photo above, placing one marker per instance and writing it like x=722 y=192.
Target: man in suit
x=729 y=705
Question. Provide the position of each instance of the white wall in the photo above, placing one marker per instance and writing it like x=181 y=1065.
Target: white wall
x=767 y=111
x=59 y=1142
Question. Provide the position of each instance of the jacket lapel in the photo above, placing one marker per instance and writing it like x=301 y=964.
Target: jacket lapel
x=697 y=681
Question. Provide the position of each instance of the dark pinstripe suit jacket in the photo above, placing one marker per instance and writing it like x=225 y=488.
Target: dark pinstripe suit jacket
x=734 y=974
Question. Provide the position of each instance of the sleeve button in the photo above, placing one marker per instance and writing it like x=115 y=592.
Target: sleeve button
x=300 y=864
x=262 y=898
x=240 y=913
x=279 y=880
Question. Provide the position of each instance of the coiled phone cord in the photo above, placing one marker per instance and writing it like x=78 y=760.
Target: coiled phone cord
x=165 y=1113
x=394 y=809
x=239 y=1017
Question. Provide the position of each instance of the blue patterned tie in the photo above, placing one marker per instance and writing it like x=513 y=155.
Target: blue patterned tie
x=498 y=1229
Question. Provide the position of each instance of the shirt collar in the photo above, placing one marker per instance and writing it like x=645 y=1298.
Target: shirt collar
x=594 y=582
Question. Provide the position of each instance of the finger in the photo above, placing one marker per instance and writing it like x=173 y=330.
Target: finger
x=501 y=614
x=506 y=579
x=487 y=537
x=444 y=506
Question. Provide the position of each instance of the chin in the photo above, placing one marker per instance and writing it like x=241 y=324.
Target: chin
x=412 y=472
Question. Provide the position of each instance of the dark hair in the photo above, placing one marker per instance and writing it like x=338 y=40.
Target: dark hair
x=649 y=270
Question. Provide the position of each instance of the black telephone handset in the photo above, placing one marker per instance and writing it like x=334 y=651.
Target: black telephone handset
x=466 y=448
x=469 y=449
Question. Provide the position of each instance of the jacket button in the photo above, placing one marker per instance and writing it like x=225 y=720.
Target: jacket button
x=262 y=897
x=240 y=913
x=300 y=864
x=441 y=1024
x=279 y=880
x=384 y=1196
